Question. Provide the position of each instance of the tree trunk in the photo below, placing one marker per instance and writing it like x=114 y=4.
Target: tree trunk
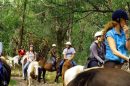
x=22 y=26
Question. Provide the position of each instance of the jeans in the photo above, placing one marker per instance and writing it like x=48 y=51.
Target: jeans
x=93 y=63
x=25 y=69
x=54 y=61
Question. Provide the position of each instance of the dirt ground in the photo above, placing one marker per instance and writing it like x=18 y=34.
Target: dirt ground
x=21 y=82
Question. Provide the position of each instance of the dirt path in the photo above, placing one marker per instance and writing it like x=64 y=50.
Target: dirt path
x=21 y=82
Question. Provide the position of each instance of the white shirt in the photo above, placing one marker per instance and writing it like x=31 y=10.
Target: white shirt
x=69 y=52
x=31 y=56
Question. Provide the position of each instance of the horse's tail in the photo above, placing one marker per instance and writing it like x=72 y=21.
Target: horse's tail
x=83 y=78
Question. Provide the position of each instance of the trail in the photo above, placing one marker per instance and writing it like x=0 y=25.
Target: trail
x=21 y=82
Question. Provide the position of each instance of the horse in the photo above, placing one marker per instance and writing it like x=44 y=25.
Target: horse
x=71 y=73
x=47 y=66
x=32 y=72
x=102 y=77
x=67 y=64
x=20 y=65
x=5 y=72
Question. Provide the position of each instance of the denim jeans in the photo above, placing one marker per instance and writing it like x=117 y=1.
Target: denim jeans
x=53 y=61
x=93 y=63
x=25 y=69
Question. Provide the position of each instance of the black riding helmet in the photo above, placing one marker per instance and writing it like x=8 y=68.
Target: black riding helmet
x=118 y=14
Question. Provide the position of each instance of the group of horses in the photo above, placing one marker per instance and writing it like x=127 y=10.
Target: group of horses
x=37 y=69
x=71 y=76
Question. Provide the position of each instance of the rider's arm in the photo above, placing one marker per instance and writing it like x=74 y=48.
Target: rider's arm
x=72 y=56
x=65 y=56
x=53 y=53
x=64 y=53
x=73 y=53
x=125 y=28
x=35 y=54
x=95 y=53
x=112 y=45
x=27 y=56
x=1 y=48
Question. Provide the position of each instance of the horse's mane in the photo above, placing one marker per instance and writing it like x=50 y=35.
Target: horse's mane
x=83 y=78
x=67 y=63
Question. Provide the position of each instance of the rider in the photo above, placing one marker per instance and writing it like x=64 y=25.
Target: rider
x=97 y=51
x=117 y=39
x=68 y=53
x=21 y=52
x=31 y=54
x=53 y=53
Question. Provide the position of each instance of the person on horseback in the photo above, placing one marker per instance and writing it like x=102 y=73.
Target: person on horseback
x=31 y=54
x=53 y=53
x=117 y=39
x=97 y=51
x=68 y=53
x=5 y=70
x=21 y=52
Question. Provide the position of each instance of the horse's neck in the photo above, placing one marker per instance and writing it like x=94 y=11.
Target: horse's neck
x=42 y=61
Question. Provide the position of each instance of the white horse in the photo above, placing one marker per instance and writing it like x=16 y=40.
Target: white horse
x=71 y=73
x=16 y=63
x=32 y=72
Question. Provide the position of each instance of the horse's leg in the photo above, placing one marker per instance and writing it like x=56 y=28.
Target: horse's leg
x=57 y=76
x=30 y=81
x=22 y=74
x=44 y=72
x=39 y=74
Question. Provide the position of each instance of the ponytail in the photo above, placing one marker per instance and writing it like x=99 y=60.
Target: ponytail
x=109 y=26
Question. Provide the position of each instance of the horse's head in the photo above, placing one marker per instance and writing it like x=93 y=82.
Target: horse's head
x=33 y=69
x=67 y=63
x=36 y=70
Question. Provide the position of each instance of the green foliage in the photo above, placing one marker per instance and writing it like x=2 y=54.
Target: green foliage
x=12 y=83
x=47 y=22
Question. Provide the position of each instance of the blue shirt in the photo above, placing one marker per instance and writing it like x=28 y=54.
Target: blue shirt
x=120 y=41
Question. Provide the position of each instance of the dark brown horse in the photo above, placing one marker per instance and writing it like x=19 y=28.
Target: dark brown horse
x=102 y=77
x=5 y=73
x=45 y=66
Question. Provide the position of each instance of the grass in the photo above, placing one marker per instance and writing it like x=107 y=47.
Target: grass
x=12 y=83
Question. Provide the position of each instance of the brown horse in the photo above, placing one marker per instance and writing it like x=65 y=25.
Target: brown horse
x=67 y=64
x=45 y=66
x=102 y=77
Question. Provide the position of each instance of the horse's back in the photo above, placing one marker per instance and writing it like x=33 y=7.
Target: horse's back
x=102 y=77
x=71 y=73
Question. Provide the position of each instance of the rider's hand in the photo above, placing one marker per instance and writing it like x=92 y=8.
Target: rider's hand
x=126 y=29
x=70 y=59
x=102 y=62
x=127 y=59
